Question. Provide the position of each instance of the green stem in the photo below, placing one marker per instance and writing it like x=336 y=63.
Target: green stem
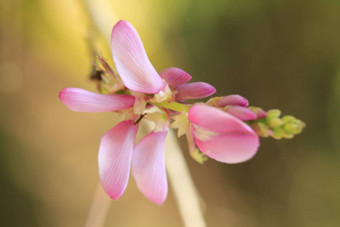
x=174 y=106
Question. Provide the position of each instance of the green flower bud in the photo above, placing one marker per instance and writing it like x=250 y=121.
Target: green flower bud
x=288 y=118
x=278 y=133
x=262 y=129
x=275 y=122
x=276 y=127
x=199 y=156
x=275 y=113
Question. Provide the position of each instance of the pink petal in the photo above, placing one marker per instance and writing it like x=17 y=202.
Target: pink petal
x=175 y=76
x=261 y=114
x=216 y=120
x=80 y=100
x=241 y=113
x=131 y=61
x=230 y=148
x=234 y=100
x=148 y=167
x=194 y=90
x=222 y=136
x=114 y=158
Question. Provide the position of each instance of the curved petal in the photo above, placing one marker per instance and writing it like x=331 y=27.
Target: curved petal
x=80 y=100
x=114 y=158
x=260 y=113
x=175 y=76
x=222 y=136
x=230 y=148
x=131 y=61
x=148 y=167
x=216 y=120
x=234 y=100
x=194 y=90
x=242 y=113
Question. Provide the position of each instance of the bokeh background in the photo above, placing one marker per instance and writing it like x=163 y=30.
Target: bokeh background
x=278 y=54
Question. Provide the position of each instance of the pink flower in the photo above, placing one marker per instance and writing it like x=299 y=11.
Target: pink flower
x=222 y=136
x=138 y=74
x=177 y=80
x=131 y=61
x=117 y=152
x=216 y=128
x=237 y=106
x=232 y=100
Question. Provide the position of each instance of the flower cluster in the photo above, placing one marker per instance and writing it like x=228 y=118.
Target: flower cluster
x=226 y=128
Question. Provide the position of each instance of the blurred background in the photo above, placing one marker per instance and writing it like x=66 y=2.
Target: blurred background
x=278 y=54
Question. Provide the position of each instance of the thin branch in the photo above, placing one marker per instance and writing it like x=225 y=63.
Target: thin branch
x=182 y=184
x=99 y=208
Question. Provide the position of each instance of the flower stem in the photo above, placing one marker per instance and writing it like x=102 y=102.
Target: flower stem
x=99 y=208
x=182 y=184
x=174 y=106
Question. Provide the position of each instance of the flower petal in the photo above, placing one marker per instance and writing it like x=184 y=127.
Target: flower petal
x=131 y=61
x=175 y=76
x=194 y=90
x=148 y=167
x=241 y=113
x=234 y=100
x=216 y=120
x=80 y=100
x=222 y=136
x=260 y=113
x=114 y=158
x=230 y=148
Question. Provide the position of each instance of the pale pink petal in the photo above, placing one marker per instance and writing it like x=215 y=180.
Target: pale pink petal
x=194 y=90
x=222 y=136
x=148 y=167
x=234 y=100
x=114 y=158
x=131 y=61
x=80 y=100
x=230 y=147
x=216 y=120
x=261 y=114
x=175 y=76
x=241 y=113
